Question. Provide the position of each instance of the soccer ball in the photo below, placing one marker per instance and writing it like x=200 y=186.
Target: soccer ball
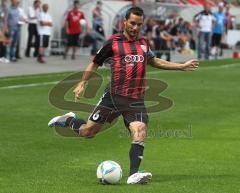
x=109 y=172
x=83 y=22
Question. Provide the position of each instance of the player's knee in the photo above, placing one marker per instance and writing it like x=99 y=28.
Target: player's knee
x=138 y=131
x=87 y=134
x=89 y=131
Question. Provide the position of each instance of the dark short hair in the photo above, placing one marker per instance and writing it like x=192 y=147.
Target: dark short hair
x=135 y=11
x=36 y=1
x=76 y=2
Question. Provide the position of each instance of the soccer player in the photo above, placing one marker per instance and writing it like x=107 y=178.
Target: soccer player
x=130 y=55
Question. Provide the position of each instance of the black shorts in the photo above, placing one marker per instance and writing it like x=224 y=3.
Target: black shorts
x=72 y=40
x=44 y=41
x=216 y=39
x=112 y=106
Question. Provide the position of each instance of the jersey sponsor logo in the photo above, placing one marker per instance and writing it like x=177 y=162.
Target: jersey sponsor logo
x=133 y=58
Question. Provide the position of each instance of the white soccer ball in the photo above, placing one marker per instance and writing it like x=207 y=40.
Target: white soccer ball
x=109 y=172
x=83 y=22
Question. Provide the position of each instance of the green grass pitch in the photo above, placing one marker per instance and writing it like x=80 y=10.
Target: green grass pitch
x=196 y=151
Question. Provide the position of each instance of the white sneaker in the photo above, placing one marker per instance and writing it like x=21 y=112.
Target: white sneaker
x=60 y=120
x=139 y=178
x=5 y=60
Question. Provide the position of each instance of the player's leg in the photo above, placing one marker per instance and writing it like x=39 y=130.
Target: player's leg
x=136 y=119
x=84 y=129
x=138 y=131
x=103 y=112
x=81 y=127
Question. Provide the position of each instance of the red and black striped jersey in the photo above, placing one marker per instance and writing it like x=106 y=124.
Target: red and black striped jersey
x=128 y=60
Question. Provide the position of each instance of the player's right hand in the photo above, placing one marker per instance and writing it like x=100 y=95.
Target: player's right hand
x=78 y=90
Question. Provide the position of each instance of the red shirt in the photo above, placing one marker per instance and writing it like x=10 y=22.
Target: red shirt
x=73 y=18
x=128 y=60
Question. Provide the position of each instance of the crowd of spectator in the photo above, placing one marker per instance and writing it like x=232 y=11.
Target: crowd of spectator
x=212 y=27
x=175 y=34
x=12 y=18
x=170 y=34
x=40 y=25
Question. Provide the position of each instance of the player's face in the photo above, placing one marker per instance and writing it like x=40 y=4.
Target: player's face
x=133 y=25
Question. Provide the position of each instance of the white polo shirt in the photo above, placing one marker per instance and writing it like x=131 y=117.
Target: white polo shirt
x=44 y=30
x=33 y=13
x=205 y=21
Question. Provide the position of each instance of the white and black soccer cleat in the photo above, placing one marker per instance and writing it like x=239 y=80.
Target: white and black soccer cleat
x=60 y=121
x=139 y=178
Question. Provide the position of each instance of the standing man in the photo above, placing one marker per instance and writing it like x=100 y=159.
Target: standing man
x=98 y=19
x=130 y=54
x=44 y=30
x=204 y=21
x=33 y=12
x=218 y=29
x=73 y=28
x=13 y=19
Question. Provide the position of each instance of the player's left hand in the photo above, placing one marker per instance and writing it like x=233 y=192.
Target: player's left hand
x=191 y=65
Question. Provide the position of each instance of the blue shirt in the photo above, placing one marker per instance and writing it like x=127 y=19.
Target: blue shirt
x=219 y=23
x=13 y=17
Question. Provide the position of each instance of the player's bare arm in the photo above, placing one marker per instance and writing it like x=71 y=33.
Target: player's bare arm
x=163 y=64
x=87 y=74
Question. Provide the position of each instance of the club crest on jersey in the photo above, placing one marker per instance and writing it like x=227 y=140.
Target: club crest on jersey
x=144 y=48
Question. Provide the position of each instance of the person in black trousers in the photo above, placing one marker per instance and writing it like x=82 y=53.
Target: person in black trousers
x=32 y=28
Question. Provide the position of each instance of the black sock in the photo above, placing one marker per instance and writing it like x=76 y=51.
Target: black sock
x=75 y=124
x=136 y=155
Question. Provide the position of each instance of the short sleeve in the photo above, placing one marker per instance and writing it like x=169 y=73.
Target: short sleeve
x=198 y=16
x=67 y=16
x=104 y=53
x=150 y=54
x=82 y=16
